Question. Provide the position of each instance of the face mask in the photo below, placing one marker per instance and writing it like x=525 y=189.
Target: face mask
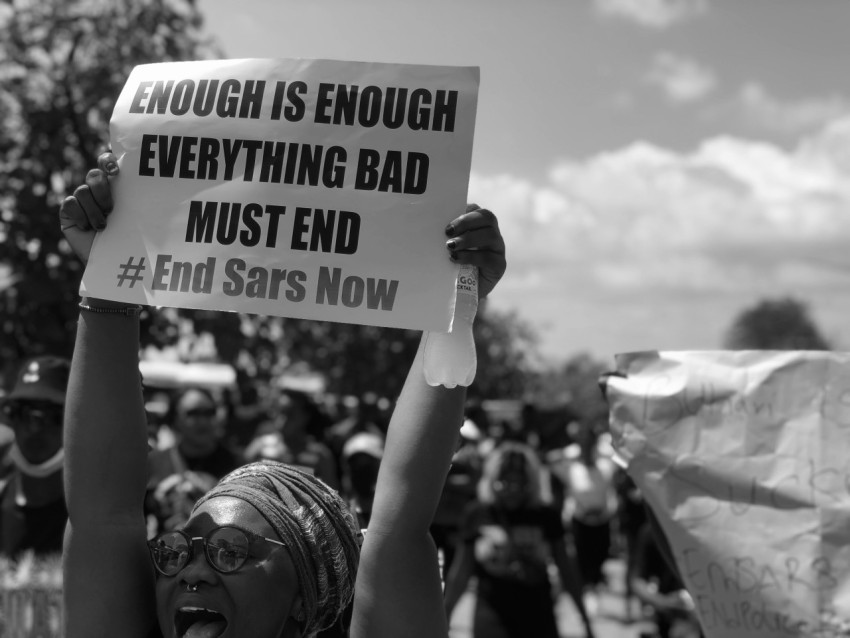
x=40 y=470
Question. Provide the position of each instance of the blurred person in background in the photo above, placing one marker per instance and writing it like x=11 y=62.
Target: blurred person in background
x=157 y=409
x=459 y=491
x=7 y=438
x=364 y=415
x=171 y=500
x=249 y=412
x=509 y=537
x=656 y=583
x=180 y=473
x=589 y=508
x=631 y=516
x=361 y=460
x=294 y=437
x=32 y=503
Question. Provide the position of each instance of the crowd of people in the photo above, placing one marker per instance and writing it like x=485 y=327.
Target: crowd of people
x=193 y=445
x=518 y=522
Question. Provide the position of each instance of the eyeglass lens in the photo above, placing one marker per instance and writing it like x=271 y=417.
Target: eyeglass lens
x=226 y=549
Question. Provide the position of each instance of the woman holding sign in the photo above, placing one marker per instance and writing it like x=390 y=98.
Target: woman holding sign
x=270 y=552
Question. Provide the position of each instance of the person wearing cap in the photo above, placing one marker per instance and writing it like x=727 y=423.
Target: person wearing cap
x=32 y=504
x=361 y=460
x=362 y=415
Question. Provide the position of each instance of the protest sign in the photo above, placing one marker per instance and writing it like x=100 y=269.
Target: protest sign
x=743 y=458
x=315 y=189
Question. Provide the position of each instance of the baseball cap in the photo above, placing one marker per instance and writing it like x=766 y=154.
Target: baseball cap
x=364 y=443
x=42 y=378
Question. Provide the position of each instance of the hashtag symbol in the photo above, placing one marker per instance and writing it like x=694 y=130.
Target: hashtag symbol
x=128 y=268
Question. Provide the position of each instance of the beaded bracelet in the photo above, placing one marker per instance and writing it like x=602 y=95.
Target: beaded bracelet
x=127 y=311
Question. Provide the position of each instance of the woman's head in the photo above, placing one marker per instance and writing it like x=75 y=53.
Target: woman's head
x=303 y=584
x=511 y=477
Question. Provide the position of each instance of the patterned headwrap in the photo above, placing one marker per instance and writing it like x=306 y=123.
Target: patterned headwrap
x=316 y=525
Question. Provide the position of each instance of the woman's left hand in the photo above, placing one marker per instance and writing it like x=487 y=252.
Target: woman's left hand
x=475 y=238
x=85 y=212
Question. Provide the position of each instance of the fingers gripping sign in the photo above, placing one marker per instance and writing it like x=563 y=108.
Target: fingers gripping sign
x=84 y=213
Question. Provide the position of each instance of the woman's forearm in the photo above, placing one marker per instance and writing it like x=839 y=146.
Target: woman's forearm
x=421 y=440
x=105 y=427
x=398 y=591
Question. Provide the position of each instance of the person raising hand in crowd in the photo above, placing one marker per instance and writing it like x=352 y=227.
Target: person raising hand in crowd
x=271 y=551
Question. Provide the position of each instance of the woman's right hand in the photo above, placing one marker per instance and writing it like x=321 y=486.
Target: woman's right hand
x=84 y=213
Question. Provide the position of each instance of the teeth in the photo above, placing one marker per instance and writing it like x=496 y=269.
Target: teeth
x=196 y=609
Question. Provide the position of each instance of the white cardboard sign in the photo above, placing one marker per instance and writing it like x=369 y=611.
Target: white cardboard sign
x=315 y=189
x=743 y=457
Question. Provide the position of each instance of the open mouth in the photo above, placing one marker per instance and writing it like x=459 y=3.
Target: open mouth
x=198 y=622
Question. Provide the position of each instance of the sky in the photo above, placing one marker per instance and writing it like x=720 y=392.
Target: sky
x=657 y=166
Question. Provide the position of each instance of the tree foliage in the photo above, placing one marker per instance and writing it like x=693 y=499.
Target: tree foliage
x=563 y=393
x=775 y=324
x=62 y=66
x=574 y=383
x=507 y=353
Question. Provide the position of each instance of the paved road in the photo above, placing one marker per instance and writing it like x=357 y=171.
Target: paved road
x=609 y=617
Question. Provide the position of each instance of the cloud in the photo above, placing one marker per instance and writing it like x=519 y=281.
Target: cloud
x=730 y=213
x=644 y=247
x=682 y=80
x=656 y=14
x=769 y=112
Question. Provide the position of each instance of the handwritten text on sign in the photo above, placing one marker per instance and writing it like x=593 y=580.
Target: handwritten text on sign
x=743 y=458
x=304 y=188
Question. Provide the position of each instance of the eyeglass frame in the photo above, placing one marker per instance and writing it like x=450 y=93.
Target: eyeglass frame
x=192 y=542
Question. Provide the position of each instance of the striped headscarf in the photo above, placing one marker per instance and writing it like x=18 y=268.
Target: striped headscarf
x=316 y=525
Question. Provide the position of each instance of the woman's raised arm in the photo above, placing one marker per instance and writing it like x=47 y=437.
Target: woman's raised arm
x=108 y=579
x=398 y=590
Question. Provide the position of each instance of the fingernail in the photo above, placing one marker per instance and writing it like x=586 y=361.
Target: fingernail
x=450 y=230
x=453 y=256
x=451 y=244
x=112 y=168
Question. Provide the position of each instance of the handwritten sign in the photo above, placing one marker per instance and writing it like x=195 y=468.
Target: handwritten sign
x=315 y=189
x=743 y=457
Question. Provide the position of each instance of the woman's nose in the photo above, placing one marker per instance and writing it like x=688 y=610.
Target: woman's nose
x=198 y=569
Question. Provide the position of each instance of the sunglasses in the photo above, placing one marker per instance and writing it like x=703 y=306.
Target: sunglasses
x=24 y=413
x=226 y=548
